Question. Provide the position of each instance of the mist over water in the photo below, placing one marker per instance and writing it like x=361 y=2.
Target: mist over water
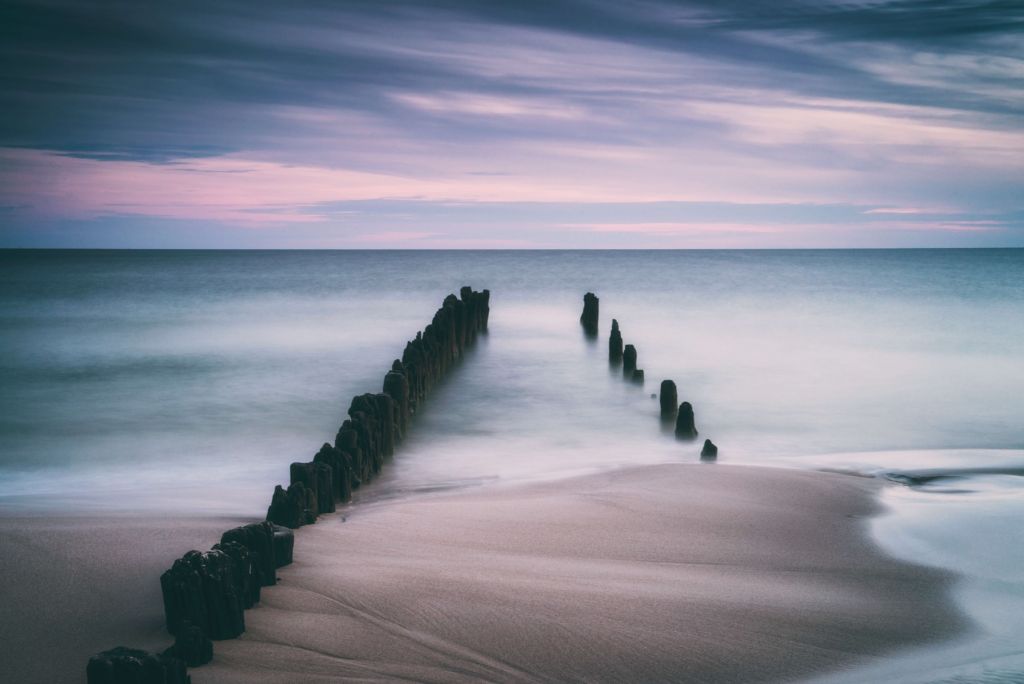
x=189 y=380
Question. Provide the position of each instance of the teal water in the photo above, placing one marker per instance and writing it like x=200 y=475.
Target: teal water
x=171 y=381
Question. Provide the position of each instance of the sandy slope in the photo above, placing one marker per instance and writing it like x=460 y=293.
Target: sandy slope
x=663 y=573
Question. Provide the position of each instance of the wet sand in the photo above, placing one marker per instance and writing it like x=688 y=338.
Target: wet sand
x=657 y=573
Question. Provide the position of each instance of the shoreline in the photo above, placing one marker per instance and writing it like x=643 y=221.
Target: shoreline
x=704 y=573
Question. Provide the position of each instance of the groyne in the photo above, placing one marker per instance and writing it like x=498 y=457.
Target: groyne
x=678 y=416
x=206 y=593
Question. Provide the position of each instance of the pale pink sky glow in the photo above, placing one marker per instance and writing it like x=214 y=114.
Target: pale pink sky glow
x=240 y=190
x=681 y=229
x=247 y=191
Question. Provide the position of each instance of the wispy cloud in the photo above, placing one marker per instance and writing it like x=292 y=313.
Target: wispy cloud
x=255 y=113
x=675 y=229
x=475 y=104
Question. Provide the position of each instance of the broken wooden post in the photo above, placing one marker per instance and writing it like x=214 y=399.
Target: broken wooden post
x=590 y=313
x=669 y=400
x=685 y=428
x=615 y=344
x=628 y=360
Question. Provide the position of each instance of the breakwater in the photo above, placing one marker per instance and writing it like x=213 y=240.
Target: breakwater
x=206 y=593
x=673 y=414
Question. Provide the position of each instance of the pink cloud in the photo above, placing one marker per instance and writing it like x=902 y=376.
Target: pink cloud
x=393 y=237
x=675 y=229
x=902 y=133
x=241 y=190
x=476 y=104
x=905 y=210
x=943 y=226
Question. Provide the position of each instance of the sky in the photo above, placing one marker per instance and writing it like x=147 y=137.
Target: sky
x=546 y=124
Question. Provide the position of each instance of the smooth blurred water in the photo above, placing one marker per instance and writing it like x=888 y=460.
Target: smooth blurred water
x=188 y=381
x=167 y=379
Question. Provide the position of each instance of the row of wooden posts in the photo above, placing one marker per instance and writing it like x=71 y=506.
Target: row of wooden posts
x=206 y=593
x=681 y=414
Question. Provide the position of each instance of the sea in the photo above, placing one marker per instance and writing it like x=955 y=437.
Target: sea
x=175 y=382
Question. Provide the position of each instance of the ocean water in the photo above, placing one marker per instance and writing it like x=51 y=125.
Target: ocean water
x=188 y=381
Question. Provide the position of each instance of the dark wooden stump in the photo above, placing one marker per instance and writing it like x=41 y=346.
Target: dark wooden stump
x=259 y=539
x=292 y=507
x=628 y=360
x=685 y=428
x=589 y=317
x=669 y=400
x=191 y=646
x=131 y=666
x=615 y=344
x=284 y=545
x=201 y=589
x=246 y=573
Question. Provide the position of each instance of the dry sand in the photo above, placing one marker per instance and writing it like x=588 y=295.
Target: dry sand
x=664 y=573
x=76 y=585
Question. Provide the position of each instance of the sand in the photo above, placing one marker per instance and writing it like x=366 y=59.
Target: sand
x=662 y=573
x=76 y=585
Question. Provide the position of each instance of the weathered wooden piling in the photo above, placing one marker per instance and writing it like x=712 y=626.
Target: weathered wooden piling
x=133 y=666
x=247 y=575
x=202 y=589
x=615 y=344
x=628 y=360
x=347 y=442
x=205 y=594
x=396 y=386
x=373 y=418
x=685 y=428
x=669 y=399
x=341 y=471
x=377 y=423
x=191 y=646
x=671 y=411
x=589 y=317
x=291 y=507
x=284 y=543
x=388 y=417
x=259 y=539
x=316 y=477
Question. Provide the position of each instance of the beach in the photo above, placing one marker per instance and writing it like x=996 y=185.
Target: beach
x=668 y=572
x=75 y=585
x=661 y=341
x=538 y=518
x=655 y=573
